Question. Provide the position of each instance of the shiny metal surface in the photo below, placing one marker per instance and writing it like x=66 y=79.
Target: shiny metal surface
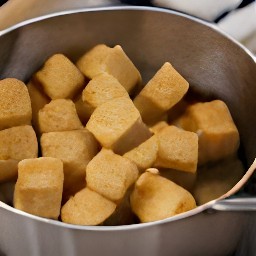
x=214 y=65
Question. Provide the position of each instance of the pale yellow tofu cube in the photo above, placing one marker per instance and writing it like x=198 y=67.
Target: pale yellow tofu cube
x=18 y=143
x=113 y=61
x=75 y=149
x=15 y=104
x=186 y=180
x=218 y=135
x=87 y=208
x=144 y=156
x=161 y=93
x=177 y=149
x=99 y=90
x=217 y=179
x=8 y=170
x=60 y=78
x=38 y=100
x=59 y=115
x=117 y=125
x=110 y=175
x=39 y=187
x=156 y=198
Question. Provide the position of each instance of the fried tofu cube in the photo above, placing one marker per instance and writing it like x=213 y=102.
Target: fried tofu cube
x=186 y=180
x=99 y=90
x=18 y=143
x=177 y=149
x=144 y=156
x=156 y=198
x=113 y=61
x=110 y=175
x=218 y=135
x=117 y=125
x=39 y=187
x=158 y=126
x=59 y=115
x=216 y=179
x=75 y=149
x=15 y=104
x=38 y=100
x=161 y=93
x=8 y=170
x=87 y=208
x=60 y=78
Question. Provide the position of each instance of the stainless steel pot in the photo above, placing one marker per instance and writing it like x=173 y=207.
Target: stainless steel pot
x=215 y=66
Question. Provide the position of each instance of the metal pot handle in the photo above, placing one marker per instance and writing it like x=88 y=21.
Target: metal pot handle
x=235 y=204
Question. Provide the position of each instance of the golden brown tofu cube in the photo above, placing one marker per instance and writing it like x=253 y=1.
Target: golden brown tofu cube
x=75 y=149
x=117 y=125
x=177 y=149
x=60 y=78
x=113 y=61
x=156 y=198
x=18 y=143
x=144 y=156
x=110 y=175
x=8 y=170
x=87 y=208
x=99 y=90
x=218 y=135
x=158 y=126
x=39 y=187
x=186 y=180
x=59 y=115
x=38 y=100
x=162 y=92
x=15 y=104
x=217 y=179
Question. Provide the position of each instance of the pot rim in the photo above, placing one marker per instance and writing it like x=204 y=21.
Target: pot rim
x=190 y=213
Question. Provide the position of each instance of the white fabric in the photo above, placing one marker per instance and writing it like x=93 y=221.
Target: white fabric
x=205 y=9
x=241 y=24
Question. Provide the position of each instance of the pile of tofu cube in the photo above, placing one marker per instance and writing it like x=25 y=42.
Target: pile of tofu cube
x=90 y=144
